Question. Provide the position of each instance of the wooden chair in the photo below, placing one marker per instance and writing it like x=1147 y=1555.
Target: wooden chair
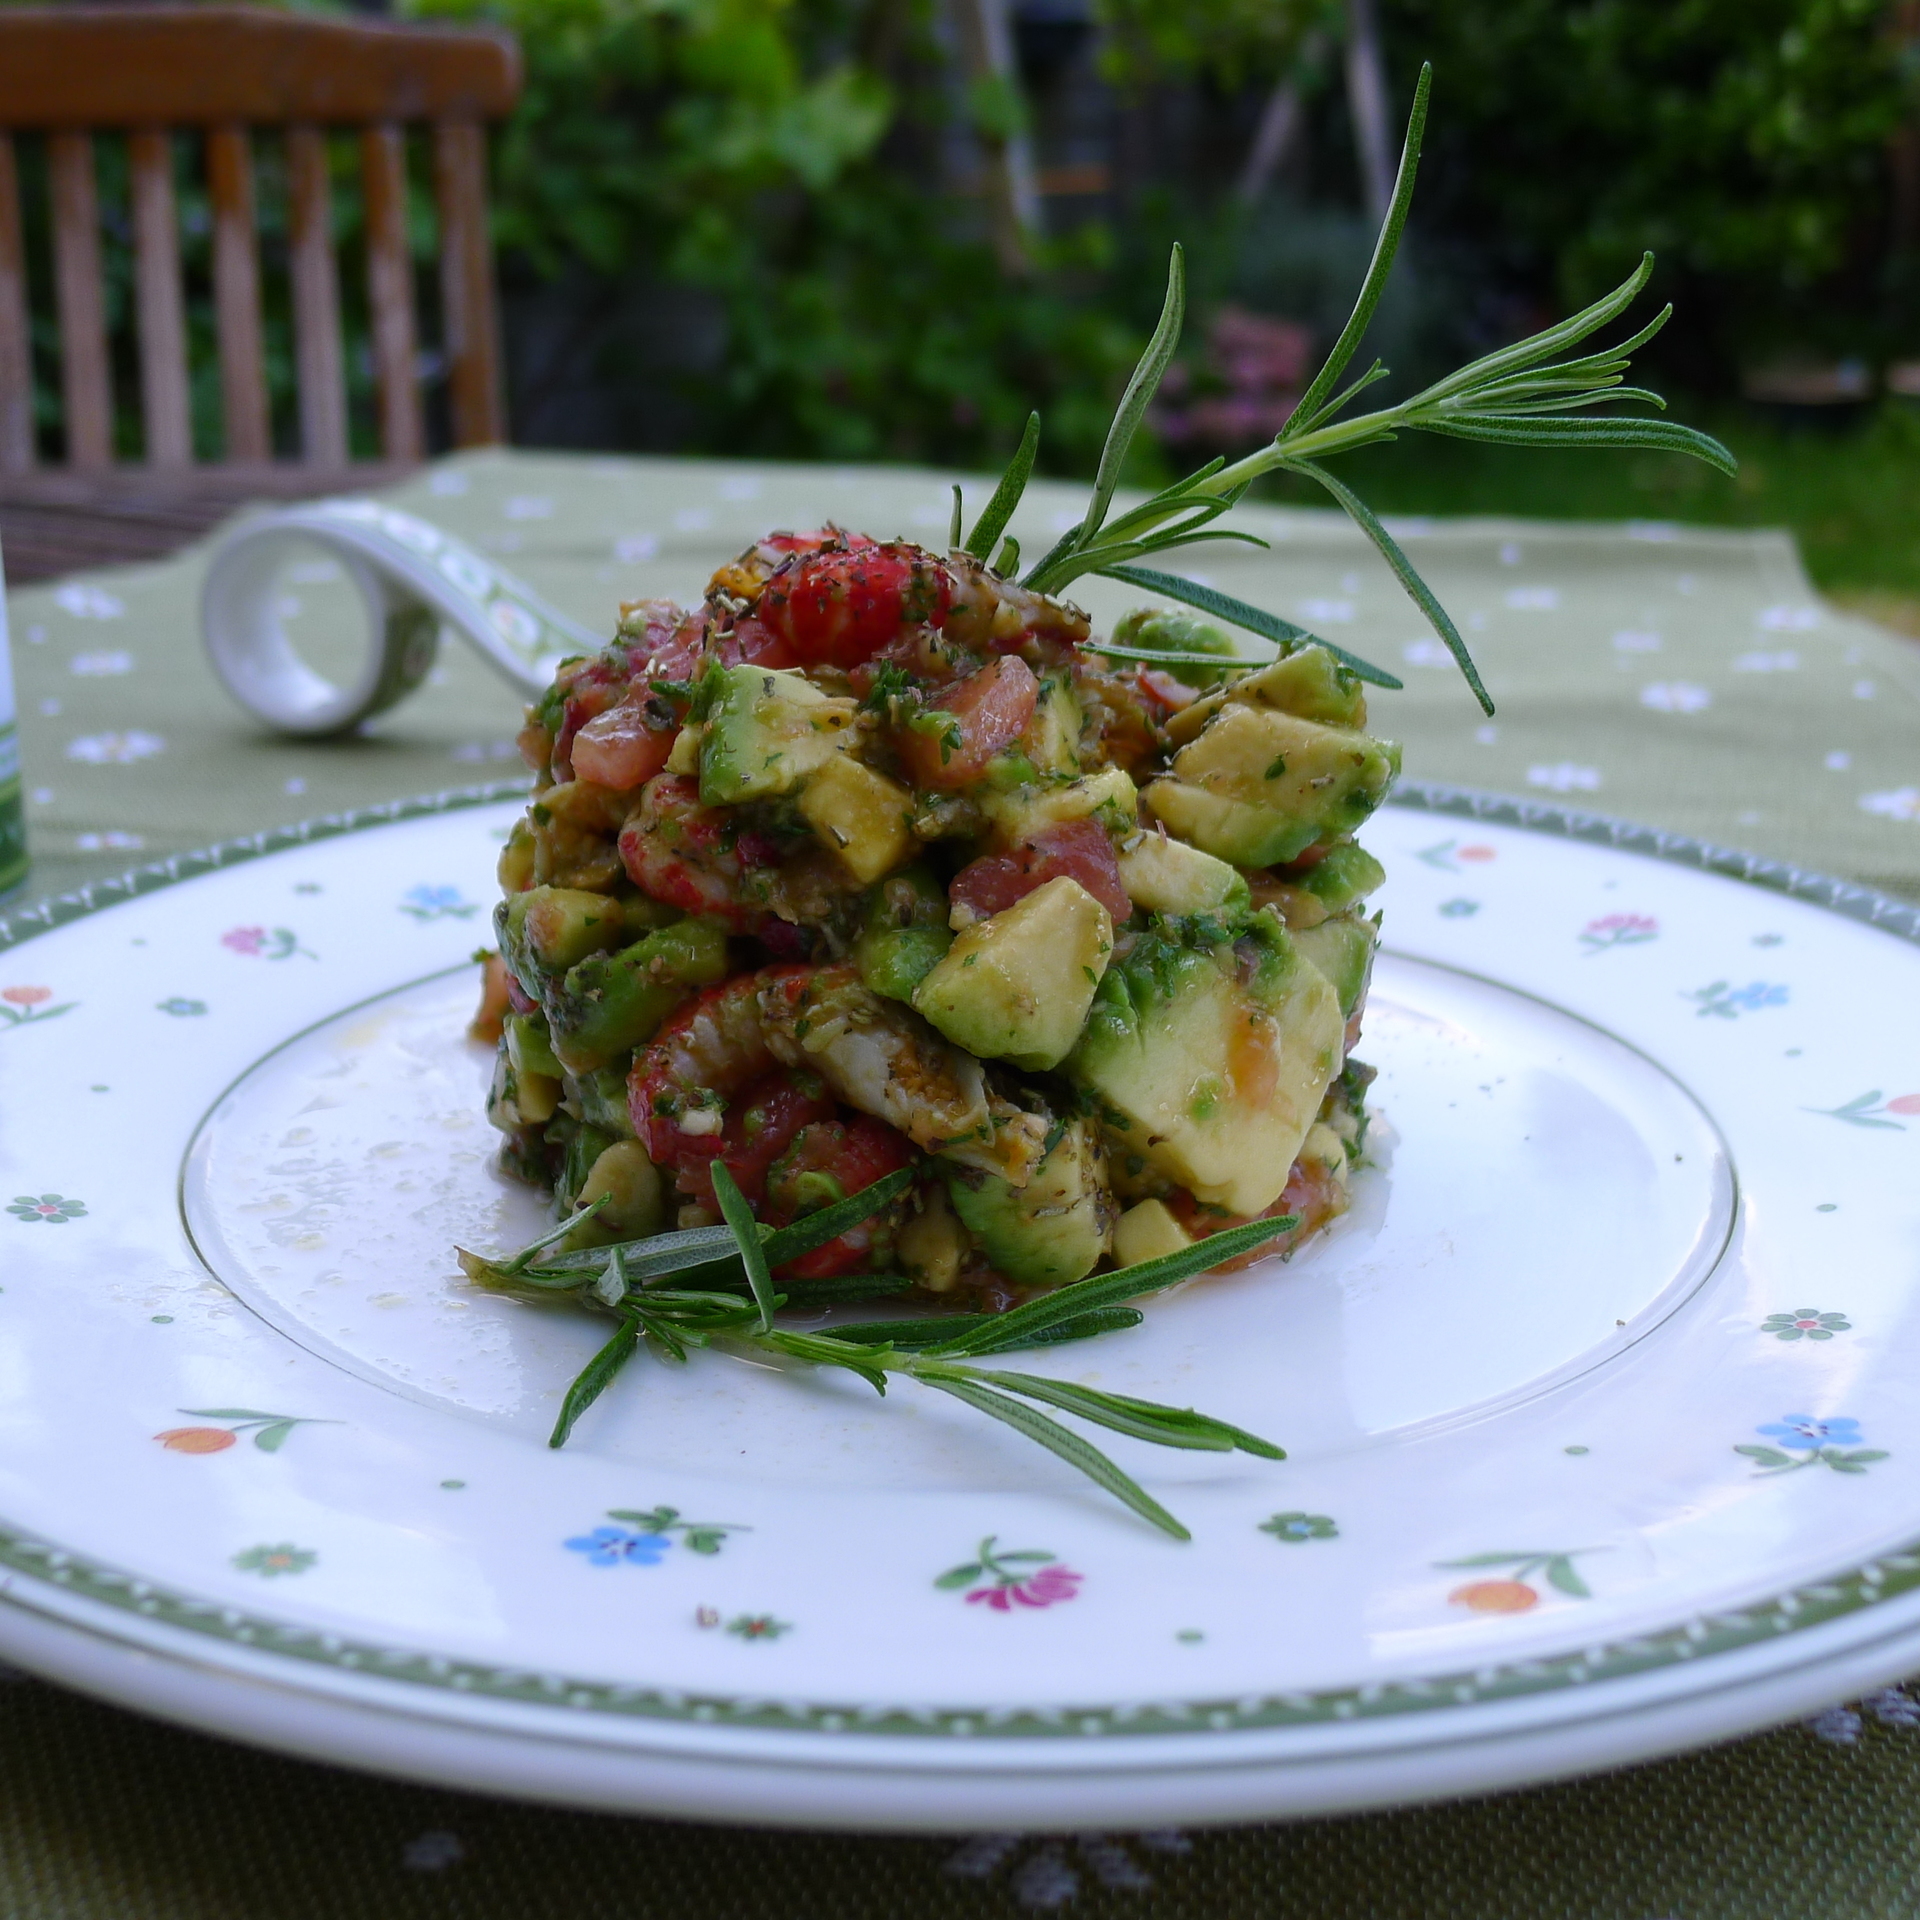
x=223 y=72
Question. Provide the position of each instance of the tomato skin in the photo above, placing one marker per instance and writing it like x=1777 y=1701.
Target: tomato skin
x=854 y=1154
x=753 y=643
x=840 y=605
x=1074 y=850
x=987 y=712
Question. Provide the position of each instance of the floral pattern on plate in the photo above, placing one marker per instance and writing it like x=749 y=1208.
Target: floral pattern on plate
x=1028 y=1577
x=1833 y=1442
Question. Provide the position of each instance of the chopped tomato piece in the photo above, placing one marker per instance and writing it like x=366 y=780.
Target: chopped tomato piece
x=840 y=606
x=980 y=717
x=1075 y=850
x=1312 y=1195
x=621 y=748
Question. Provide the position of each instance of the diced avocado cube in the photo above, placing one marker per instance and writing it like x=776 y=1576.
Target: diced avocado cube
x=1165 y=875
x=1259 y=787
x=1347 y=874
x=528 y=1046
x=1210 y=1060
x=865 y=818
x=1175 y=630
x=1310 y=684
x=1342 y=949
x=905 y=936
x=546 y=930
x=1052 y=739
x=612 y=1002
x=1016 y=986
x=766 y=730
x=1108 y=796
x=636 y=1205
x=1054 y=1229
x=1145 y=1232
x=932 y=1244
x=601 y=1097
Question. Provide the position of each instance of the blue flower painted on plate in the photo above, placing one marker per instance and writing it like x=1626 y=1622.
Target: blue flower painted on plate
x=1833 y=1442
x=437 y=903
x=180 y=1007
x=616 y=1546
x=1729 y=1001
x=1459 y=909
x=1803 y=1430
x=647 y=1535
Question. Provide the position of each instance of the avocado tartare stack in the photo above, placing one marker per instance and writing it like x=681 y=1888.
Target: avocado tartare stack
x=875 y=926
x=873 y=862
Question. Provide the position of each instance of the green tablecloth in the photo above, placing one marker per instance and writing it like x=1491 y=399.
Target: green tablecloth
x=1684 y=678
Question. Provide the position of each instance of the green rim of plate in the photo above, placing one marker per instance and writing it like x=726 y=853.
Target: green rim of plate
x=1878 y=1581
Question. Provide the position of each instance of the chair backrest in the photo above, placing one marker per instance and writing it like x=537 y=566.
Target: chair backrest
x=72 y=71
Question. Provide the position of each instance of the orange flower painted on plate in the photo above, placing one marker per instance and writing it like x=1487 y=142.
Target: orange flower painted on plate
x=1495 y=1596
x=1513 y=1594
x=269 y=1430
x=197 y=1439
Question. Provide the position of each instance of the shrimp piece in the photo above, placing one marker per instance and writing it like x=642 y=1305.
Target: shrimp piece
x=884 y=1060
x=678 y=851
x=826 y=1161
x=684 y=1080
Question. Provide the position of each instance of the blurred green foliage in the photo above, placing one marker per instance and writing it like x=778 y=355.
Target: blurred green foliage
x=776 y=156
x=1746 y=142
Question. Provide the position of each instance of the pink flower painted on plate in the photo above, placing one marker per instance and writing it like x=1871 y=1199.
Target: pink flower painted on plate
x=1028 y=1578
x=1478 y=854
x=264 y=943
x=26 y=996
x=1618 y=930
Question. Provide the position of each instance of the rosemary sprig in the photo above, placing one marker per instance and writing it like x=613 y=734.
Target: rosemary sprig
x=1521 y=395
x=935 y=1352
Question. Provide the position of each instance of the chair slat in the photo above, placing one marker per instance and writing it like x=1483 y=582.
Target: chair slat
x=316 y=302
x=76 y=65
x=85 y=388
x=16 y=353
x=162 y=307
x=466 y=284
x=383 y=171
x=236 y=297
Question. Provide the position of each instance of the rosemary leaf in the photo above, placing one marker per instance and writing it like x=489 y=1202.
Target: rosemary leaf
x=1539 y=347
x=912 y=1336
x=595 y=1377
x=1139 y=394
x=1668 y=436
x=1056 y=1439
x=953 y=520
x=1417 y=589
x=746 y=1234
x=1114 y=1289
x=1223 y=606
x=662 y=1254
x=524 y=1258
x=1313 y=403
x=1144 y=1419
x=816 y=1229
x=1006 y=496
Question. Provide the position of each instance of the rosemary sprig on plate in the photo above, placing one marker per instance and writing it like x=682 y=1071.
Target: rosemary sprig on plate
x=735 y=1300
x=1522 y=395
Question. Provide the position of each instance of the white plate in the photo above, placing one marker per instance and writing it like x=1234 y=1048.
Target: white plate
x=1631 y=1112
